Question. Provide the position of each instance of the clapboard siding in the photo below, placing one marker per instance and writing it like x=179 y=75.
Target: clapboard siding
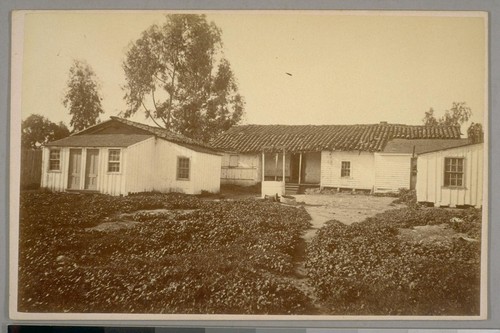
x=362 y=169
x=392 y=172
x=430 y=179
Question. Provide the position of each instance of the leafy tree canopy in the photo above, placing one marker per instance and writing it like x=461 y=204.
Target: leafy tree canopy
x=82 y=97
x=37 y=130
x=457 y=115
x=475 y=133
x=177 y=75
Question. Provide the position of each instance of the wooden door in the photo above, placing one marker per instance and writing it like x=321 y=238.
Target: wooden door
x=91 y=167
x=75 y=166
x=312 y=168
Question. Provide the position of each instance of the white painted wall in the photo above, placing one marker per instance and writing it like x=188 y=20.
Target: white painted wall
x=206 y=172
x=204 y=169
x=108 y=183
x=430 y=177
x=140 y=159
x=55 y=180
x=362 y=169
x=392 y=172
x=150 y=165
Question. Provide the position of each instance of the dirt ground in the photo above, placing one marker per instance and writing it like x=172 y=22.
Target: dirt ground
x=344 y=207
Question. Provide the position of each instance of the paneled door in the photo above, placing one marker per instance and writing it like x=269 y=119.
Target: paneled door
x=91 y=167
x=75 y=166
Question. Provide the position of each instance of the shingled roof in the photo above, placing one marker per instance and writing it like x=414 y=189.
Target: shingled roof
x=92 y=137
x=255 y=138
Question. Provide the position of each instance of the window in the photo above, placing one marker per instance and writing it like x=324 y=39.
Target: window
x=114 y=160
x=183 y=168
x=453 y=171
x=233 y=160
x=345 y=170
x=55 y=160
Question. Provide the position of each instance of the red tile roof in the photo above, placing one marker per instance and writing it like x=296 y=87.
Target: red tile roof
x=405 y=146
x=255 y=138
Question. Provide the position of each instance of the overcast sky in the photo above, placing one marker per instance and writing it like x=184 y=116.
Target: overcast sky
x=345 y=68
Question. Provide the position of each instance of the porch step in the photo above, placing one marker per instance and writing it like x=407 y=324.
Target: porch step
x=292 y=189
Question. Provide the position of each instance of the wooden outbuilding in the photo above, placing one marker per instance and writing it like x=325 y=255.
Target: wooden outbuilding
x=452 y=177
x=120 y=157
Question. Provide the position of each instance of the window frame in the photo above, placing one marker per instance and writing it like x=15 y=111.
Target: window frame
x=343 y=169
x=114 y=162
x=50 y=169
x=458 y=175
x=178 y=168
x=232 y=157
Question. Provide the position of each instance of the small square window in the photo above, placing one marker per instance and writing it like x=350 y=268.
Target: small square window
x=55 y=160
x=345 y=170
x=114 y=160
x=183 y=168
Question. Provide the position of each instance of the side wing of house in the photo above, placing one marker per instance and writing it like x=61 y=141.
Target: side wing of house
x=347 y=169
x=177 y=168
x=451 y=177
x=392 y=172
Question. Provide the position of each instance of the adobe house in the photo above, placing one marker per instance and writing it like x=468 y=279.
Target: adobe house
x=119 y=157
x=290 y=158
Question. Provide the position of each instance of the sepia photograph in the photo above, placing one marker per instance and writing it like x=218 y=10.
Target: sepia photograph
x=249 y=164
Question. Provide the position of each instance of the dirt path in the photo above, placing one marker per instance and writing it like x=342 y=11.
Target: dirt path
x=346 y=208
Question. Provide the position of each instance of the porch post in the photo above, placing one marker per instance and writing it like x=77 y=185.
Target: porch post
x=300 y=167
x=284 y=166
x=263 y=166
x=276 y=168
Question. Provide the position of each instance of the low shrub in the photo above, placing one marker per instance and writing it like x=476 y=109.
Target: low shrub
x=366 y=269
x=199 y=257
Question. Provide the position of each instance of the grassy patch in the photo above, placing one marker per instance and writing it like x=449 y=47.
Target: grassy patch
x=209 y=257
x=366 y=268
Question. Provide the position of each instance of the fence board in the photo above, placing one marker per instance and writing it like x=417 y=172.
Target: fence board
x=31 y=168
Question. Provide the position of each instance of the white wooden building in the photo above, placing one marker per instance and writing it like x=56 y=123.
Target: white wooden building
x=452 y=177
x=119 y=157
x=375 y=157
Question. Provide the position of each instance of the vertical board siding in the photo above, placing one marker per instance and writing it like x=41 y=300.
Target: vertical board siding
x=312 y=168
x=149 y=165
x=205 y=172
x=430 y=177
x=31 y=168
x=165 y=164
x=362 y=169
x=247 y=172
x=110 y=182
x=55 y=180
x=140 y=167
x=392 y=172
x=107 y=183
